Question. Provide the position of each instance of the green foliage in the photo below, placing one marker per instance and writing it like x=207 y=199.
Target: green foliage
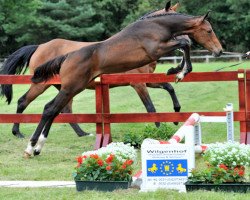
x=217 y=175
x=164 y=132
x=16 y=19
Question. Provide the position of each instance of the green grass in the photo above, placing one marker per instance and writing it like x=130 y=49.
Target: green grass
x=57 y=159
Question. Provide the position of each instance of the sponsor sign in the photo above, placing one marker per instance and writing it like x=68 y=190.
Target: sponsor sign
x=165 y=166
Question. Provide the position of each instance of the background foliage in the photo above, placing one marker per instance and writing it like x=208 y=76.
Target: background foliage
x=36 y=21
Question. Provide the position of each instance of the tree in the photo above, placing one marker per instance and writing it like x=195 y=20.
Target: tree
x=67 y=19
x=15 y=18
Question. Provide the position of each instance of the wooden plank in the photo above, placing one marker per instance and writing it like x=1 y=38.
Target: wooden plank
x=24 y=79
x=160 y=77
x=161 y=117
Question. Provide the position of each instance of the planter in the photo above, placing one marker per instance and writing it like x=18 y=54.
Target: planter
x=102 y=185
x=225 y=187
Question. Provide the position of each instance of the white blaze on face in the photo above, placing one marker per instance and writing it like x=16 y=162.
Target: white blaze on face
x=248 y=54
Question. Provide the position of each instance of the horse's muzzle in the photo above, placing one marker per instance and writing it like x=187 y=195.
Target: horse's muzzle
x=217 y=53
x=246 y=55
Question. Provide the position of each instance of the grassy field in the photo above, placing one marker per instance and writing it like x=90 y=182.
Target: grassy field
x=57 y=159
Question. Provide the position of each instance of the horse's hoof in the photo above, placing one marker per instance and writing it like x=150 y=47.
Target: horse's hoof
x=26 y=155
x=157 y=124
x=177 y=109
x=84 y=134
x=36 y=153
x=18 y=134
x=177 y=80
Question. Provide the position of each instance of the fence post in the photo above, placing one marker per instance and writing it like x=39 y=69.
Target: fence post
x=99 y=126
x=247 y=99
x=242 y=103
x=106 y=111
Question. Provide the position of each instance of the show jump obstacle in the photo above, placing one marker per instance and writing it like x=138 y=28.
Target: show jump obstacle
x=103 y=118
x=167 y=164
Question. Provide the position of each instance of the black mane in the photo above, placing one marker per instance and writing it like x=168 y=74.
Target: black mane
x=146 y=16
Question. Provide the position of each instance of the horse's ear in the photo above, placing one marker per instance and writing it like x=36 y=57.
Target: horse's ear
x=175 y=7
x=206 y=15
x=168 y=5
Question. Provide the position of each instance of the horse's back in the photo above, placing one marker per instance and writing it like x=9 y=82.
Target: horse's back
x=52 y=49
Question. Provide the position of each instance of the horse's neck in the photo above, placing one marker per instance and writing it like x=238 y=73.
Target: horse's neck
x=177 y=24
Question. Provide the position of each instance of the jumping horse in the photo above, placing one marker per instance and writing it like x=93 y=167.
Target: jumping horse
x=138 y=44
x=34 y=55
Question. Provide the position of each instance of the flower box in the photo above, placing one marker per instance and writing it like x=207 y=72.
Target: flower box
x=102 y=185
x=225 y=187
x=106 y=169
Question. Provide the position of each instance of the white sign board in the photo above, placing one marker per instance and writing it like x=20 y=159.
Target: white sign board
x=165 y=166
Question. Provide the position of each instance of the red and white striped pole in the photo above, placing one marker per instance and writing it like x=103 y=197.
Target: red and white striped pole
x=187 y=127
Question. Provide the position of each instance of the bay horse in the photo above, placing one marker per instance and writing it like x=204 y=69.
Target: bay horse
x=138 y=44
x=34 y=55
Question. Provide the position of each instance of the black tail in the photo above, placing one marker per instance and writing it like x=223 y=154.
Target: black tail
x=16 y=63
x=47 y=70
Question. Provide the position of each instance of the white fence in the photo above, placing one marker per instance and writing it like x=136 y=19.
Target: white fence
x=207 y=58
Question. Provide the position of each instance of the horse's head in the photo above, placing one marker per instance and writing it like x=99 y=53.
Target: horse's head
x=203 y=33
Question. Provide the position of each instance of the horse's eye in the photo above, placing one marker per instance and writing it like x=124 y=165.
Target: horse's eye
x=209 y=31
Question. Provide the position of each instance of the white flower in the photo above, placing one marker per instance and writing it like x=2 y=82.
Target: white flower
x=230 y=153
x=122 y=151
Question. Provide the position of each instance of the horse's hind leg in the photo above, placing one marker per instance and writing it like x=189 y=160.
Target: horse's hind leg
x=171 y=91
x=142 y=91
x=23 y=102
x=51 y=110
x=75 y=126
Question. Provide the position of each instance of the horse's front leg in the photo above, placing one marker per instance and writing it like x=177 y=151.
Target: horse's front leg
x=179 y=68
x=187 y=68
x=183 y=44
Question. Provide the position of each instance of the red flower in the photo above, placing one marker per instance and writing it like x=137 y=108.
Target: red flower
x=108 y=168
x=110 y=159
x=129 y=162
x=124 y=166
x=241 y=172
x=79 y=159
x=222 y=166
x=100 y=162
x=95 y=156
